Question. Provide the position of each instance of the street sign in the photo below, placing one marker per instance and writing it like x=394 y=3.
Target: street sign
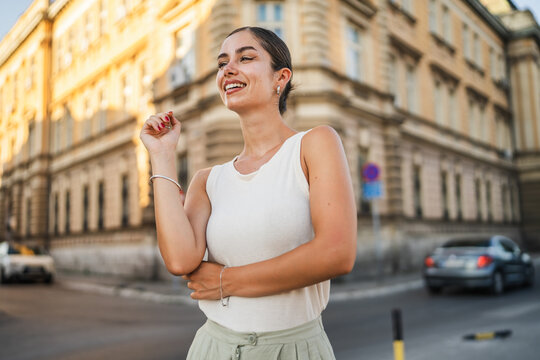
x=372 y=190
x=370 y=172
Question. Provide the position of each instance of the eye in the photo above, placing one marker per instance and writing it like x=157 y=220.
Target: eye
x=221 y=64
x=245 y=58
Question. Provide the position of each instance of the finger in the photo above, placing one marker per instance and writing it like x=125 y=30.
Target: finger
x=154 y=122
x=185 y=277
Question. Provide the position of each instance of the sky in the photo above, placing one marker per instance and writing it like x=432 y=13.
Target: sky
x=10 y=10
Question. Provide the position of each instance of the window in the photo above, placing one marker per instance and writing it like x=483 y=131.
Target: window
x=31 y=138
x=453 y=109
x=504 y=201
x=488 y=201
x=125 y=200
x=439 y=106
x=466 y=43
x=477 y=189
x=459 y=212
x=68 y=212
x=354 y=53
x=270 y=16
x=364 y=205
x=85 y=208
x=102 y=17
x=393 y=80
x=483 y=126
x=417 y=187
x=492 y=64
x=102 y=118
x=433 y=16
x=472 y=119
x=444 y=193
x=447 y=24
x=126 y=92
x=411 y=88
x=31 y=73
x=477 y=50
x=101 y=203
x=68 y=119
x=55 y=211
x=87 y=124
x=28 y=215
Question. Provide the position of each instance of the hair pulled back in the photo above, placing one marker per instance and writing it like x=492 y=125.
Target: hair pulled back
x=279 y=53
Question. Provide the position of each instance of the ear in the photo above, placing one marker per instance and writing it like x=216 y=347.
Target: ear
x=283 y=76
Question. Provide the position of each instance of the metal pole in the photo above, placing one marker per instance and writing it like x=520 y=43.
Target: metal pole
x=397 y=326
x=377 y=237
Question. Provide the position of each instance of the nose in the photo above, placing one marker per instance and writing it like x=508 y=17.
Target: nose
x=229 y=69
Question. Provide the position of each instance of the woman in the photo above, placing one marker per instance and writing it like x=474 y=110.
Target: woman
x=279 y=220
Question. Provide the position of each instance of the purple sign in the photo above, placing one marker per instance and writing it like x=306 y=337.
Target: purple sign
x=370 y=172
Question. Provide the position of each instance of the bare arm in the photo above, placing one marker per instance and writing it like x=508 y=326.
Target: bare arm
x=181 y=227
x=330 y=253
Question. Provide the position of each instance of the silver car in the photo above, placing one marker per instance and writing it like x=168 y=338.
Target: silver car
x=20 y=262
x=492 y=262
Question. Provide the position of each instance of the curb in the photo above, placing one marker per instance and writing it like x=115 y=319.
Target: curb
x=129 y=293
x=358 y=294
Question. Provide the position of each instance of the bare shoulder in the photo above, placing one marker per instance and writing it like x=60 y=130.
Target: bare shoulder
x=320 y=139
x=199 y=179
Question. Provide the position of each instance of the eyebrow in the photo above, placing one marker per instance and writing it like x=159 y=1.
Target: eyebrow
x=238 y=51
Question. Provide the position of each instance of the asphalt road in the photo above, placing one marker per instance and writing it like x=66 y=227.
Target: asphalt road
x=41 y=322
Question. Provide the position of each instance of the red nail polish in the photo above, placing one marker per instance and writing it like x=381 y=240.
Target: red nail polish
x=167 y=118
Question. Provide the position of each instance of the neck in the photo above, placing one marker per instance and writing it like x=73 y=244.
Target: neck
x=262 y=131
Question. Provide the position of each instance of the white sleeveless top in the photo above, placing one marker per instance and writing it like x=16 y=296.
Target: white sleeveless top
x=256 y=217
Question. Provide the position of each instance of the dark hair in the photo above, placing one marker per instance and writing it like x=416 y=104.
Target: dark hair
x=279 y=53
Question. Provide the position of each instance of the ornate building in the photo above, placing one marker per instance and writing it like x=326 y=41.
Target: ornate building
x=442 y=94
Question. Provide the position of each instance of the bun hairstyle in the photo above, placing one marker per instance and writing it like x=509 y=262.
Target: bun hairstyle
x=279 y=53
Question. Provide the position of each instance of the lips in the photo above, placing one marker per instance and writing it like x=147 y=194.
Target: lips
x=232 y=86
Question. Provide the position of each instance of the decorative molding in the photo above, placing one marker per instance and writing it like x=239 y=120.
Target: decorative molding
x=364 y=6
x=402 y=45
x=445 y=73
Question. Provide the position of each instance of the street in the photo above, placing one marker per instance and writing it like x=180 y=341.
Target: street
x=42 y=322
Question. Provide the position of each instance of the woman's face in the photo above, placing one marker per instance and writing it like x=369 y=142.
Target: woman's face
x=245 y=77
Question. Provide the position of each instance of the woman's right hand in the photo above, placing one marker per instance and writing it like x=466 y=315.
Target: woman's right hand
x=160 y=133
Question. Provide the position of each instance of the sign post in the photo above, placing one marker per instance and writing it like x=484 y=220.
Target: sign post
x=372 y=190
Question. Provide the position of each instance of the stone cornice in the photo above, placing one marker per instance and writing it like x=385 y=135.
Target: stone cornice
x=490 y=19
x=7 y=49
x=56 y=7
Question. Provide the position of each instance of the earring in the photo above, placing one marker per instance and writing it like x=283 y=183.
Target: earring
x=278 y=89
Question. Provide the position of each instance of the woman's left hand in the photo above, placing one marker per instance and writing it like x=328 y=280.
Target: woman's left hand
x=205 y=281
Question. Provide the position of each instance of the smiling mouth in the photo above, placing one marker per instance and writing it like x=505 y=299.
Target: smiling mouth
x=233 y=87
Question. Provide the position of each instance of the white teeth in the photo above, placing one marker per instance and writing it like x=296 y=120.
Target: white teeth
x=230 y=86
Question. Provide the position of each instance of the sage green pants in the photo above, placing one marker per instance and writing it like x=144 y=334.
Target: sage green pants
x=304 y=342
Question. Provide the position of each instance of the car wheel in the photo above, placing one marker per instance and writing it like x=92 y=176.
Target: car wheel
x=497 y=283
x=49 y=279
x=529 y=276
x=434 y=290
x=3 y=277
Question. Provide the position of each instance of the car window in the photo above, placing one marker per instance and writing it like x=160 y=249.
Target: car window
x=467 y=243
x=13 y=251
x=507 y=246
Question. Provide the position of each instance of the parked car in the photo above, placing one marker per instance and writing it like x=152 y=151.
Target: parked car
x=492 y=262
x=20 y=262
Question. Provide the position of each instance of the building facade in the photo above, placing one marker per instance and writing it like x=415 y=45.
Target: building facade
x=442 y=94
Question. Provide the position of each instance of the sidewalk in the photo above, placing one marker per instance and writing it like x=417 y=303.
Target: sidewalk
x=176 y=292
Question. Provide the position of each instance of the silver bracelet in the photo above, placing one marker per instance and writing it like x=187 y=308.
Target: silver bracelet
x=223 y=303
x=166 y=178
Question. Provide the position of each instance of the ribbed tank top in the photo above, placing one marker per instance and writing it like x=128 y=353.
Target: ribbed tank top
x=256 y=217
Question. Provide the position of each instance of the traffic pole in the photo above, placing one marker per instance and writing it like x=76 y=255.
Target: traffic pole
x=397 y=326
